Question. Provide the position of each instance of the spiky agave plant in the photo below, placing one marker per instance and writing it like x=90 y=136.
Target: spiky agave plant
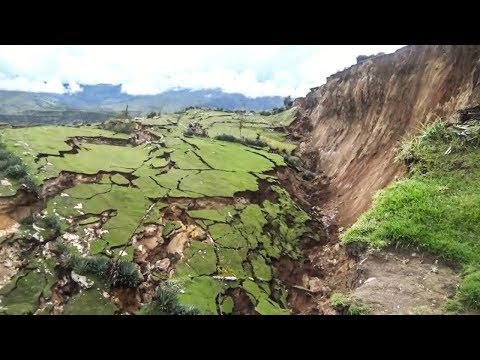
x=80 y=264
x=100 y=265
x=126 y=274
x=61 y=248
x=165 y=302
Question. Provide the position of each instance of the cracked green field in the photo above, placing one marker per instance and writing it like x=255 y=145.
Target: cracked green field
x=122 y=187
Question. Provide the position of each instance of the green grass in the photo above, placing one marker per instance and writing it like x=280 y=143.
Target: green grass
x=436 y=207
x=200 y=167
x=349 y=306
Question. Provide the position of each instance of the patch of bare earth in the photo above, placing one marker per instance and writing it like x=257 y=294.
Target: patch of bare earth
x=397 y=281
x=10 y=261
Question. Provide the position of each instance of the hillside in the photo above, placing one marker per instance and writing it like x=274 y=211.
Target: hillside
x=99 y=102
x=411 y=119
x=173 y=215
x=362 y=198
x=351 y=127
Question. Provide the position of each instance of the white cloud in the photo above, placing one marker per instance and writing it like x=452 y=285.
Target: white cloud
x=254 y=70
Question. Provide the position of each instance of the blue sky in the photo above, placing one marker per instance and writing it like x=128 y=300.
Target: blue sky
x=254 y=70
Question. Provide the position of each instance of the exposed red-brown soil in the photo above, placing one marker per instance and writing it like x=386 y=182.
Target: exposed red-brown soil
x=351 y=126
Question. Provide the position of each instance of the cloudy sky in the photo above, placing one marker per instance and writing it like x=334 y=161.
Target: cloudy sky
x=255 y=70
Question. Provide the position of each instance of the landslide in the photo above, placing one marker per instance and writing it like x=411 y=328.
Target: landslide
x=350 y=128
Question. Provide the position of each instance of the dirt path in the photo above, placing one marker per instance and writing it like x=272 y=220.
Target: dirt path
x=404 y=282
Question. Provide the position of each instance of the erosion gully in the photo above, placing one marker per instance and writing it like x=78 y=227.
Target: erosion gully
x=324 y=268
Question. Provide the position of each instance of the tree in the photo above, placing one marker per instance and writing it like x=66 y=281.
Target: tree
x=240 y=124
x=126 y=112
x=288 y=102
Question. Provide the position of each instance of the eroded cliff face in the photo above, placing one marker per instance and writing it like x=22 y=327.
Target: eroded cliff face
x=350 y=127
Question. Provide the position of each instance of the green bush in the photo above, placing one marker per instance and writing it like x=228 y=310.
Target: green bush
x=29 y=184
x=348 y=306
x=126 y=274
x=52 y=223
x=61 y=248
x=165 y=302
x=4 y=154
x=119 y=126
x=340 y=302
x=277 y=110
x=28 y=220
x=151 y=115
x=16 y=171
x=308 y=175
x=245 y=141
x=292 y=161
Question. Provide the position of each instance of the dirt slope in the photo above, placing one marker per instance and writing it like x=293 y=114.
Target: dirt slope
x=349 y=127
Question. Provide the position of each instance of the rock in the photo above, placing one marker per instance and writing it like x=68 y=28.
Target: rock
x=37 y=228
x=5 y=183
x=326 y=291
x=305 y=280
x=315 y=284
x=198 y=234
x=57 y=310
x=163 y=264
x=148 y=243
x=369 y=279
x=64 y=194
x=177 y=244
x=81 y=280
x=78 y=206
x=150 y=230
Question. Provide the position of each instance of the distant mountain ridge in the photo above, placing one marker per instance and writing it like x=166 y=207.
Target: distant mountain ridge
x=103 y=99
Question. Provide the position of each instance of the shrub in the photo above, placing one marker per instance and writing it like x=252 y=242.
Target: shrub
x=4 y=164
x=245 y=141
x=165 y=302
x=52 y=223
x=253 y=142
x=265 y=113
x=292 y=161
x=226 y=137
x=188 y=132
x=360 y=310
x=29 y=184
x=28 y=220
x=151 y=115
x=100 y=265
x=4 y=154
x=119 y=126
x=435 y=131
x=362 y=58
x=277 y=110
x=347 y=306
x=340 y=302
x=61 y=248
x=126 y=274
x=308 y=175
x=16 y=171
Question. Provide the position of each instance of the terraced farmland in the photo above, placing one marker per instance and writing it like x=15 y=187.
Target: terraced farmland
x=117 y=223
